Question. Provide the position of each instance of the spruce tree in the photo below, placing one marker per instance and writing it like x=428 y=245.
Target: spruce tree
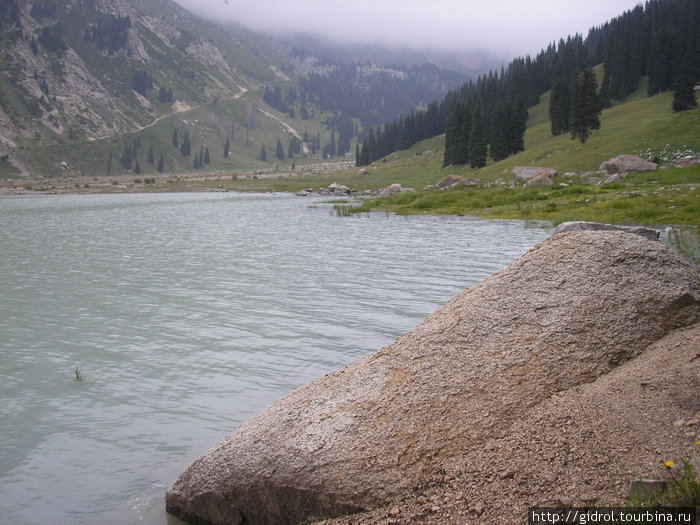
x=500 y=124
x=684 y=87
x=206 y=156
x=279 y=151
x=263 y=154
x=463 y=151
x=585 y=106
x=227 y=146
x=478 y=147
x=161 y=164
x=453 y=134
x=560 y=104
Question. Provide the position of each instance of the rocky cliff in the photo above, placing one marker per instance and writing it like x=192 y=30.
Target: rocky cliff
x=570 y=311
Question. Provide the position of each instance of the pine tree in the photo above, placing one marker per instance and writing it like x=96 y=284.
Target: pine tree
x=453 y=135
x=186 y=146
x=585 y=106
x=206 y=156
x=161 y=164
x=227 y=146
x=560 y=105
x=263 y=154
x=684 y=86
x=137 y=168
x=478 y=147
x=279 y=151
x=195 y=164
x=149 y=157
x=201 y=155
x=109 y=163
x=517 y=127
x=463 y=151
x=500 y=123
x=176 y=143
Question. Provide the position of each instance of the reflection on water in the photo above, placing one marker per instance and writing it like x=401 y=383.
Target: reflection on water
x=187 y=314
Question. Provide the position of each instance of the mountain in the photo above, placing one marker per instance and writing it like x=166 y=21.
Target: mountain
x=107 y=87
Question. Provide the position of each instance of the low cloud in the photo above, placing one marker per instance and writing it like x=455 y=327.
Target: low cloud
x=511 y=27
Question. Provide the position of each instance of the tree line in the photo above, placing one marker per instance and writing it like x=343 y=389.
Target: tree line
x=660 y=40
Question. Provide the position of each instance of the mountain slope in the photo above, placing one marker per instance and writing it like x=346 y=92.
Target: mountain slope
x=93 y=87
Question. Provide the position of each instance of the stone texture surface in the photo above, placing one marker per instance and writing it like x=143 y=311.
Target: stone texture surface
x=572 y=309
x=583 y=446
x=627 y=164
x=524 y=173
x=572 y=226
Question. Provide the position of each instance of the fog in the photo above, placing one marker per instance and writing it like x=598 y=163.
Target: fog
x=507 y=27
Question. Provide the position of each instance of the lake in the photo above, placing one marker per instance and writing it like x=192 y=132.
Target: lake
x=185 y=315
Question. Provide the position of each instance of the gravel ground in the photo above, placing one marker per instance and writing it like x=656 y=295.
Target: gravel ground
x=580 y=447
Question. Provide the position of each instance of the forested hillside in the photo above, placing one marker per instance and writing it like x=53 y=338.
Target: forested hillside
x=660 y=40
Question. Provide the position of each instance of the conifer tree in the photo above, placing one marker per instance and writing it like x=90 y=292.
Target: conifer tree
x=137 y=168
x=149 y=157
x=279 y=151
x=684 y=86
x=206 y=155
x=227 y=146
x=453 y=135
x=560 y=104
x=161 y=164
x=186 y=146
x=500 y=124
x=478 y=147
x=176 y=143
x=585 y=106
x=263 y=154
x=109 y=163
x=463 y=150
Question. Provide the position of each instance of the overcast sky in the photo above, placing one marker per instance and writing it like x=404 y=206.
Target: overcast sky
x=513 y=27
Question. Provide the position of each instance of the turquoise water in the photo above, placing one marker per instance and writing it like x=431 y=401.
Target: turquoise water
x=186 y=314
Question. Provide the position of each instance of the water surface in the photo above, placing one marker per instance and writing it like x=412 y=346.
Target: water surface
x=186 y=315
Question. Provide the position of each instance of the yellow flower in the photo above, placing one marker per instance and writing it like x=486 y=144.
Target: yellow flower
x=669 y=464
x=697 y=443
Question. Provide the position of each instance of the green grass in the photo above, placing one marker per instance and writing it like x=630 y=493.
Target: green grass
x=641 y=125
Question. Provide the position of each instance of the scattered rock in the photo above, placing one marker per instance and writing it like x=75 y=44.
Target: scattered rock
x=366 y=435
x=539 y=180
x=627 y=164
x=572 y=226
x=525 y=173
x=452 y=181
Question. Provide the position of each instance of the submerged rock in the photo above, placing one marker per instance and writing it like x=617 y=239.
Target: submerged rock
x=570 y=310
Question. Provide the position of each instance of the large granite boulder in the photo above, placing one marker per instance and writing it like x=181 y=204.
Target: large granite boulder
x=570 y=310
x=627 y=164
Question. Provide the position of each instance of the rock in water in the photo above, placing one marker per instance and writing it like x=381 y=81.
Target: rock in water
x=571 y=309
